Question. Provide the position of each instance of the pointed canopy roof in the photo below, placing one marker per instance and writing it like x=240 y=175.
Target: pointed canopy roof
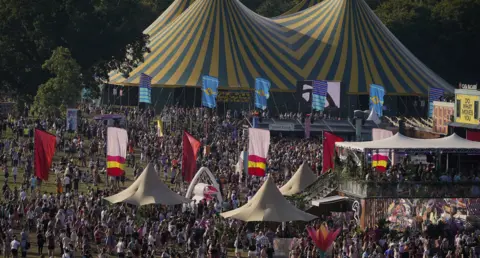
x=303 y=178
x=337 y=40
x=268 y=204
x=169 y=15
x=148 y=189
x=304 y=4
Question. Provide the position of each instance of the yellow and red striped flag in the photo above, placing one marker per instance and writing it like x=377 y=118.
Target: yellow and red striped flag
x=117 y=140
x=258 y=144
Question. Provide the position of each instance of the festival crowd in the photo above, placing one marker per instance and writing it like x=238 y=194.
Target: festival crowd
x=72 y=219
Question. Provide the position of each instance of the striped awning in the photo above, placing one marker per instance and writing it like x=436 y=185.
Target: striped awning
x=304 y=4
x=338 y=40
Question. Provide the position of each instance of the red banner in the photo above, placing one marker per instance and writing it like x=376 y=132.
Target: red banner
x=329 y=140
x=189 y=156
x=44 y=150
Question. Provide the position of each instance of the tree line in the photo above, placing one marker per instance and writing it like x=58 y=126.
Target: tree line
x=51 y=50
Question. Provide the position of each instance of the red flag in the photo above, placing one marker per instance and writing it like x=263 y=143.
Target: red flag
x=189 y=156
x=44 y=151
x=380 y=162
x=329 y=140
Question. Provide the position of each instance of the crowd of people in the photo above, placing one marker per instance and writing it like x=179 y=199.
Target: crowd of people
x=68 y=216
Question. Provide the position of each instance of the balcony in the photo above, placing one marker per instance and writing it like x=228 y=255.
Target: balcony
x=371 y=189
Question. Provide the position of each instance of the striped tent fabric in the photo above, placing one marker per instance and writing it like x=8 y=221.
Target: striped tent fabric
x=304 y=4
x=169 y=15
x=335 y=40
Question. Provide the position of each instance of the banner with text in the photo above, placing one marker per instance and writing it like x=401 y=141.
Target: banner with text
x=467 y=109
x=234 y=96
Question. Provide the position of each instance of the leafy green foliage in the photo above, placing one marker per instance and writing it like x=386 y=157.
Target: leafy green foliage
x=443 y=34
x=272 y=8
x=98 y=34
x=60 y=91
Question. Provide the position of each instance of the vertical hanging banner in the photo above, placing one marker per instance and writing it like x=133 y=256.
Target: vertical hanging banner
x=255 y=121
x=320 y=89
x=72 y=119
x=189 y=156
x=262 y=93
x=209 y=91
x=258 y=144
x=377 y=94
x=117 y=141
x=145 y=89
x=160 y=128
x=308 y=124
x=434 y=94
x=329 y=141
x=44 y=149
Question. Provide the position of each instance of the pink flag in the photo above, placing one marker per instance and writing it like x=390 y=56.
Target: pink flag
x=258 y=144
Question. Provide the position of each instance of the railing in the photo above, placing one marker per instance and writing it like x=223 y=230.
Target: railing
x=371 y=189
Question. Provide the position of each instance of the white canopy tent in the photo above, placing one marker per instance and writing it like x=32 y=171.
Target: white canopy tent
x=402 y=142
x=268 y=204
x=303 y=178
x=148 y=189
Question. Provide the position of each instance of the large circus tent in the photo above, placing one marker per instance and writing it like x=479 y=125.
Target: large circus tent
x=335 y=40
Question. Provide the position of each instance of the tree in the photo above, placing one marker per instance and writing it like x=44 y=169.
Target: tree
x=444 y=34
x=97 y=33
x=64 y=89
x=459 y=53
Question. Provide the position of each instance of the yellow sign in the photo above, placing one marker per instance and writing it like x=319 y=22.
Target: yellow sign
x=234 y=96
x=375 y=100
x=261 y=93
x=209 y=91
x=466 y=111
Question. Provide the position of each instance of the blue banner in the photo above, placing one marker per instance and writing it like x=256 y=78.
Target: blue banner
x=434 y=94
x=209 y=91
x=377 y=93
x=145 y=90
x=255 y=121
x=319 y=95
x=262 y=93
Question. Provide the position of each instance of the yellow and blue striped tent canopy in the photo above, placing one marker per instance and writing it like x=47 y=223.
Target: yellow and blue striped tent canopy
x=338 y=40
x=304 y=4
x=169 y=15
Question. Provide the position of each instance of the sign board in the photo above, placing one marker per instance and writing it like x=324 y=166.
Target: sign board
x=465 y=86
x=234 y=97
x=281 y=127
x=465 y=109
x=442 y=113
x=418 y=159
